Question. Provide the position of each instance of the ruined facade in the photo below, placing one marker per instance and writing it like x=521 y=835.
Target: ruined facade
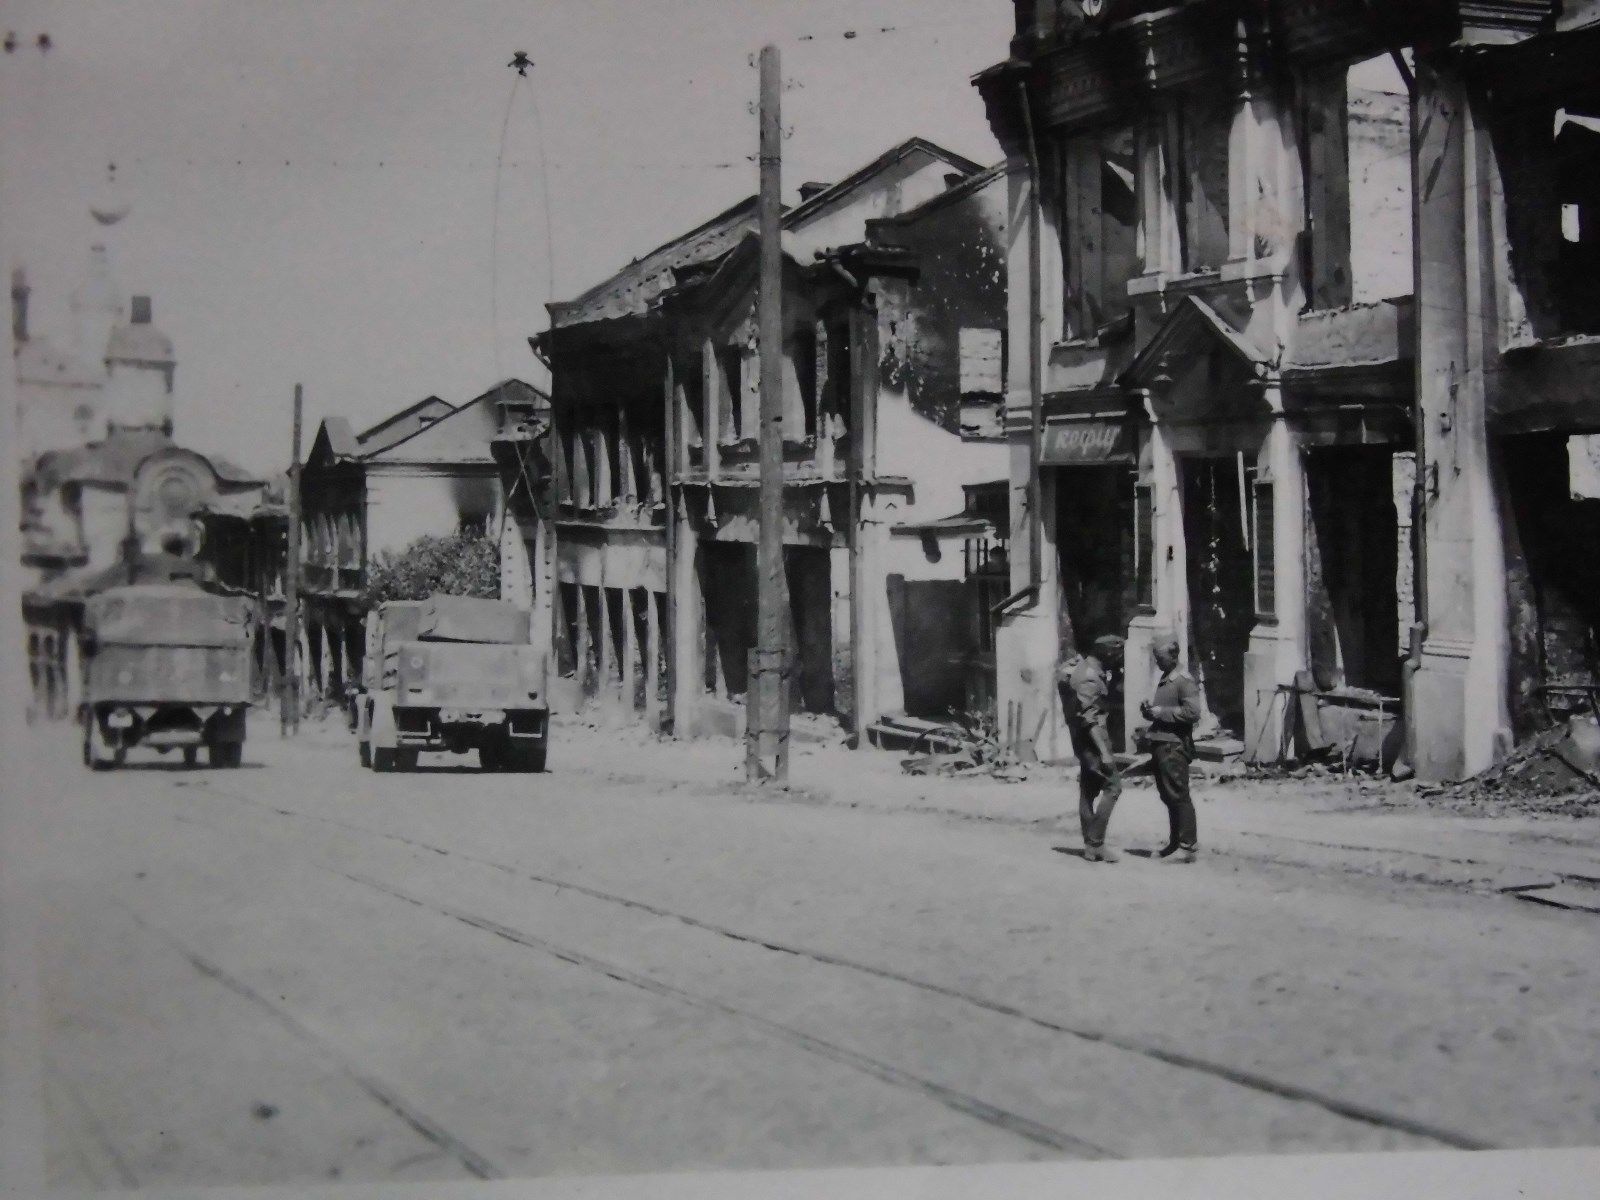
x=428 y=469
x=1285 y=299
x=656 y=394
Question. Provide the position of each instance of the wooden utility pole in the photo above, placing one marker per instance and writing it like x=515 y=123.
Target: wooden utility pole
x=289 y=692
x=767 y=701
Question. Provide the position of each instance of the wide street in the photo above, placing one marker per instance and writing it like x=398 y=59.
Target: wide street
x=300 y=971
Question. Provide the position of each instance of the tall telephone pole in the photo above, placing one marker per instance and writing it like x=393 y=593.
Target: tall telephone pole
x=289 y=693
x=767 y=704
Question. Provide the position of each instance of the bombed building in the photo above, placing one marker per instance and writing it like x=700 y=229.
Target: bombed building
x=1314 y=293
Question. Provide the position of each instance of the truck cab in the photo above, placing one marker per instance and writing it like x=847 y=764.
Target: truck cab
x=455 y=674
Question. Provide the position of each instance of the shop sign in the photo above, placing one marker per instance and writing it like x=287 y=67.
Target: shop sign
x=1070 y=443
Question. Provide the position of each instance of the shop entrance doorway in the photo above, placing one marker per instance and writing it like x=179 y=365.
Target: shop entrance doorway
x=1216 y=530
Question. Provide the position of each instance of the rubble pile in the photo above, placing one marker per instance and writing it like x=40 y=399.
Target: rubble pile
x=1556 y=772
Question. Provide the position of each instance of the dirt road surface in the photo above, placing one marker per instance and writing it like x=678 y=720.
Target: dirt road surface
x=300 y=971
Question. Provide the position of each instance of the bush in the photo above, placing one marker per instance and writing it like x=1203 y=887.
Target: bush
x=459 y=564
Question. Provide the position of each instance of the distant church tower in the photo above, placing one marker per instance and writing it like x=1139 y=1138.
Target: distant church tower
x=97 y=306
x=140 y=367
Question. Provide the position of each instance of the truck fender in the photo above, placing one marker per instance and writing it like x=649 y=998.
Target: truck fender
x=380 y=724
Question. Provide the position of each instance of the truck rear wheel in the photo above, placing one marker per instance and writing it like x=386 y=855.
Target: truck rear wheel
x=536 y=755
x=492 y=755
x=405 y=760
x=364 y=753
x=382 y=759
x=226 y=754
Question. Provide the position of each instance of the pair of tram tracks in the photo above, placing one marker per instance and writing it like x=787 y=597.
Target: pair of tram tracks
x=952 y=1098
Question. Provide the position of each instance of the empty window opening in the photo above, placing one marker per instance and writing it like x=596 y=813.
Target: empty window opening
x=610 y=442
x=1577 y=179
x=617 y=626
x=689 y=378
x=591 y=637
x=800 y=385
x=1355 y=156
x=731 y=386
x=834 y=387
x=1197 y=157
x=1098 y=221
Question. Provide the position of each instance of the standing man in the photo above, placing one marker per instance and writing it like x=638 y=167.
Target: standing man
x=1087 y=696
x=1173 y=713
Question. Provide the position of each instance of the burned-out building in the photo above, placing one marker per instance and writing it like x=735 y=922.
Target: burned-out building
x=428 y=469
x=655 y=400
x=1308 y=281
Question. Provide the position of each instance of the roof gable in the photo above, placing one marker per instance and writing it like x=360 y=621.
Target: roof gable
x=401 y=425
x=841 y=192
x=460 y=436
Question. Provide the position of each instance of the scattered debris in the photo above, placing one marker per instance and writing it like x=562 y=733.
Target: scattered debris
x=970 y=747
x=263 y=1111
x=1557 y=771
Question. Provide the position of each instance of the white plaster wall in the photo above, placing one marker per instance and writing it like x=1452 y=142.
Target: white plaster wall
x=104 y=515
x=895 y=193
x=403 y=506
x=937 y=461
x=47 y=418
x=1380 y=185
x=137 y=396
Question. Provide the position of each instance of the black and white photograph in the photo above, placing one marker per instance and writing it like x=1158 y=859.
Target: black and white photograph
x=850 y=598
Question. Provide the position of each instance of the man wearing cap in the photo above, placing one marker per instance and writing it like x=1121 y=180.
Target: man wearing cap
x=1086 y=698
x=1173 y=711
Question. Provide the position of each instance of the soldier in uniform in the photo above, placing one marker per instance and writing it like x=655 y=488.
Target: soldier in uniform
x=1173 y=712
x=1087 y=688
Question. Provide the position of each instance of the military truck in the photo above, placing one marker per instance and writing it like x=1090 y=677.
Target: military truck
x=452 y=673
x=166 y=666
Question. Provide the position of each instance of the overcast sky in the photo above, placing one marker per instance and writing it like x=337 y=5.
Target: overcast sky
x=313 y=184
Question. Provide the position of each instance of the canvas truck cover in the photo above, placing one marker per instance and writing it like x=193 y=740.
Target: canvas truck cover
x=167 y=615
x=167 y=643
x=446 y=618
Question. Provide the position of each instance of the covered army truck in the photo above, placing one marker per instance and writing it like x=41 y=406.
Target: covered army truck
x=452 y=673
x=166 y=666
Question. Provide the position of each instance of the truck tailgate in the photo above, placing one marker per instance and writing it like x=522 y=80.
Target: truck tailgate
x=178 y=674
x=470 y=675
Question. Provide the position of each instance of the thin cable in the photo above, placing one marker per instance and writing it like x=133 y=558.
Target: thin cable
x=544 y=184
x=494 y=234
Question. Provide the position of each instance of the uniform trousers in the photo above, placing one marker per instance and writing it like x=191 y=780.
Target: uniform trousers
x=1098 y=780
x=1171 y=764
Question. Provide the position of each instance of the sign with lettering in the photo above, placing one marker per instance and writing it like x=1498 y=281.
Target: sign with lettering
x=1068 y=443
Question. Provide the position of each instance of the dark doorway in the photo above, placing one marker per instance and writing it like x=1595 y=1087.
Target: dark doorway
x=1553 y=584
x=1094 y=539
x=1221 y=586
x=934 y=641
x=728 y=584
x=1352 y=560
x=811 y=627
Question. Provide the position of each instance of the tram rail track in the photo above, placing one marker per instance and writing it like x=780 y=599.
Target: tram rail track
x=1257 y=1082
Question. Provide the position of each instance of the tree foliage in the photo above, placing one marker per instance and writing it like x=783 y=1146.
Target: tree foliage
x=460 y=564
